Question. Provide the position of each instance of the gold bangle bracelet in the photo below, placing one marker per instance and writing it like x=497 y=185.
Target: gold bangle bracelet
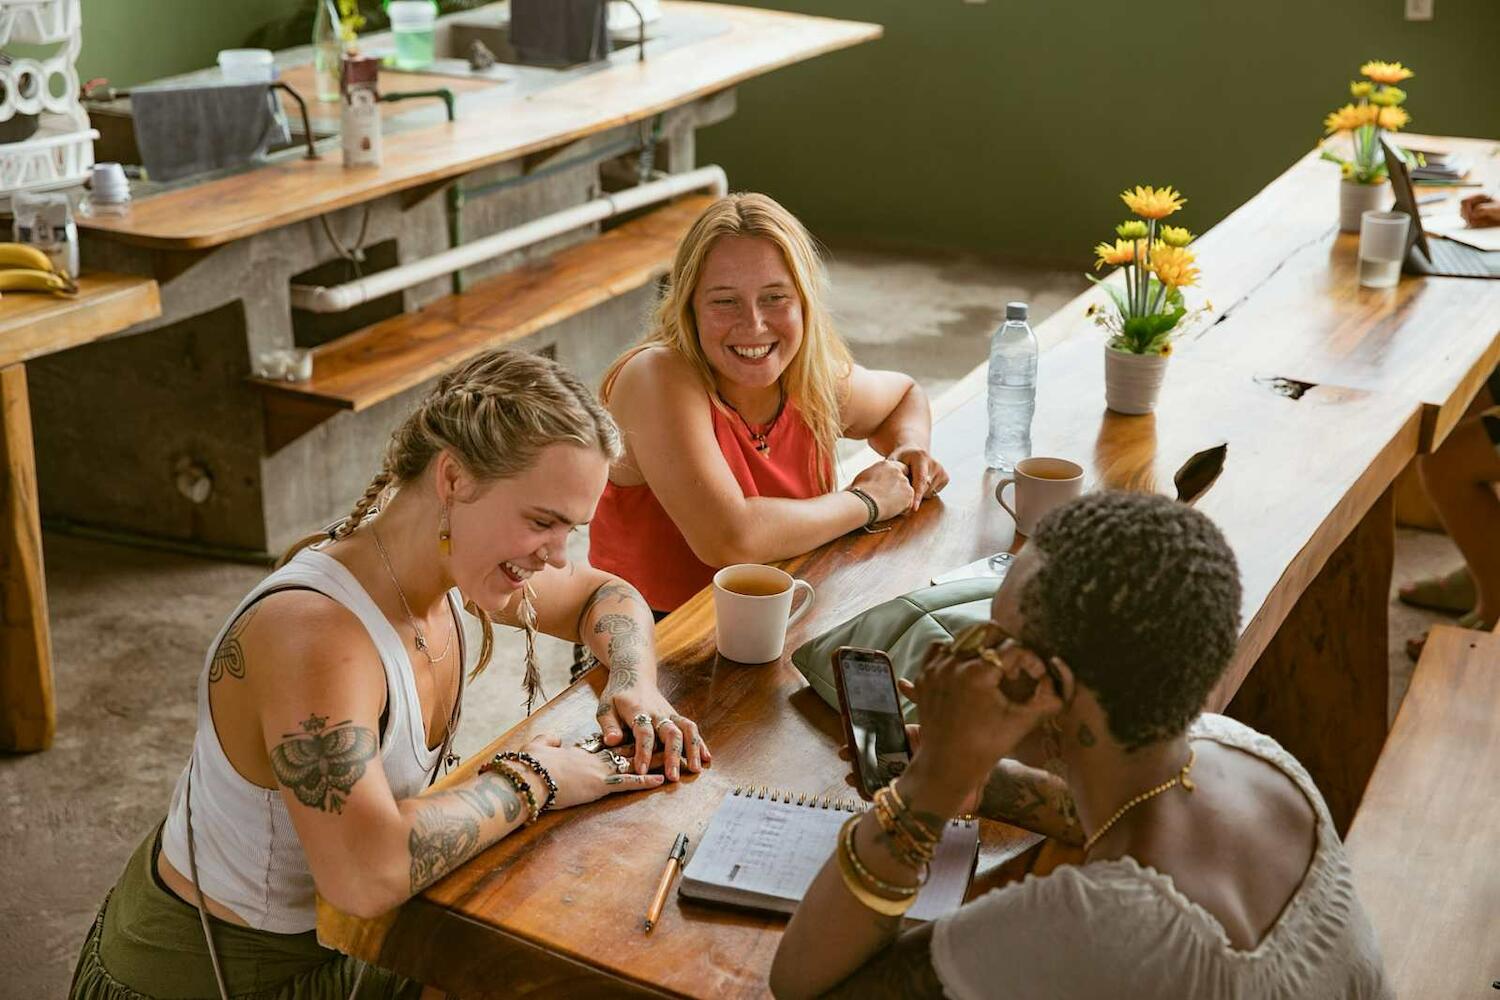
x=880 y=905
x=871 y=881
x=919 y=847
x=903 y=811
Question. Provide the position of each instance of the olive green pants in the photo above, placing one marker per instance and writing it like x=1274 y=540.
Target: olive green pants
x=148 y=943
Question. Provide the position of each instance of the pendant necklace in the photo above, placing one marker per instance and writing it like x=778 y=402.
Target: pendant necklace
x=760 y=440
x=411 y=619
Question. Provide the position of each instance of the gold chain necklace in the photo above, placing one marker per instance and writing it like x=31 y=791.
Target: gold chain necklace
x=411 y=619
x=1180 y=779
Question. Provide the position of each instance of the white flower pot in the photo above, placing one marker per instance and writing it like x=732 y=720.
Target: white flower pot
x=1357 y=199
x=1132 y=381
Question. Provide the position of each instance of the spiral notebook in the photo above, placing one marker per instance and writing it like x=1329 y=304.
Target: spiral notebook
x=764 y=847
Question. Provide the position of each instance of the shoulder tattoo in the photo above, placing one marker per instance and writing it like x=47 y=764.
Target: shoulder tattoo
x=229 y=658
x=322 y=763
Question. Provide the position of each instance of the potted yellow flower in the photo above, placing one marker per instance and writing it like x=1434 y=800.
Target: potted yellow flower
x=1376 y=108
x=1149 y=311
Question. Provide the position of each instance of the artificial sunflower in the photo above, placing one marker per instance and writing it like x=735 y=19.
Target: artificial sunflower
x=1176 y=236
x=1122 y=252
x=1384 y=72
x=1153 y=203
x=1133 y=229
x=1393 y=119
x=1388 y=97
x=1361 y=88
x=1174 y=266
x=1350 y=117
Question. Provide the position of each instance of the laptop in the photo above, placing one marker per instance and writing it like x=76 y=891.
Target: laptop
x=1440 y=257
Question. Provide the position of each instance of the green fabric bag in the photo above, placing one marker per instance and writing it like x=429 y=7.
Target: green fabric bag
x=904 y=627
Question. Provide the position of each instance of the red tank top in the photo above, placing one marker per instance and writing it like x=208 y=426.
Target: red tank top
x=632 y=536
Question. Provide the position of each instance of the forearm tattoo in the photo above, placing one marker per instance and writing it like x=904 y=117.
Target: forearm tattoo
x=229 y=658
x=447 y=832
x=627 y=647
x=1031 y=799
x=322 y=763
x=617 y=590
x=901 y=972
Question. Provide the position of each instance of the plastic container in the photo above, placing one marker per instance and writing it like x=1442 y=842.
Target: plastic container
x=247 y=65
x=413 y=24
x=1012 y=390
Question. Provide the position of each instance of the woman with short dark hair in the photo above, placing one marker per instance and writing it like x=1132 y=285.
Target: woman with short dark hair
x=1211 y=865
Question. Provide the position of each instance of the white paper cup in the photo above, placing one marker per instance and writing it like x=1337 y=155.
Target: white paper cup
x=1040 y=485
x=752 y=609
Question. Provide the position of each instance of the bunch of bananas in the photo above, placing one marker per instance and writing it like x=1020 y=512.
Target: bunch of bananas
x=24 y=268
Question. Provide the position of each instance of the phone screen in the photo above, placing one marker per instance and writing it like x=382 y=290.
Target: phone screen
x=874 y=709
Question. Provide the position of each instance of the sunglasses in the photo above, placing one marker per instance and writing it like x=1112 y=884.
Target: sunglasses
x=983 y=640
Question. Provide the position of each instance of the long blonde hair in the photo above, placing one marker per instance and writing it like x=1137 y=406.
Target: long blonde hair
x=495 y=415
x=814 y=378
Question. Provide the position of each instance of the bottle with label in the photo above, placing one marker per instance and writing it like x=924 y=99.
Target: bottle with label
x=328 y=50
x=360 y=119
x=1012 y=390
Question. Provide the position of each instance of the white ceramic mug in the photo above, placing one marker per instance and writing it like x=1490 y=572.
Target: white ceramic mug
x=1041 y=484
x=752 y=608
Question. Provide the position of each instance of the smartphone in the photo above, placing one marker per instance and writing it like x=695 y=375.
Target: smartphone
x=873 y=724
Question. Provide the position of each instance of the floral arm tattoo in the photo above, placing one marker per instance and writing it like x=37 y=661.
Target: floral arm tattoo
x=1031 y=799
x=625 y=628
x=900 y=972
x=449 y=828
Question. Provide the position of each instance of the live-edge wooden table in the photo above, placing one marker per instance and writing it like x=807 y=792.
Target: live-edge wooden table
x=1304 y=499
x=32 y=326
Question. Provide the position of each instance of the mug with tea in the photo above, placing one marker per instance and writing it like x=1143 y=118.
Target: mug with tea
x=753 y=607
x=1040 y=485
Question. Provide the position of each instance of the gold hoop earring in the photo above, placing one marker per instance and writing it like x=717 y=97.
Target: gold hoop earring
x=445 y=537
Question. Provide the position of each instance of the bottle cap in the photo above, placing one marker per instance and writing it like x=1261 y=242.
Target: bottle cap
x=1016 y=311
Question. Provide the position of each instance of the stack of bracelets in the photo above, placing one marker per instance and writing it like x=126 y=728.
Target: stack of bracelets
x=501 y=764
x=911 y=840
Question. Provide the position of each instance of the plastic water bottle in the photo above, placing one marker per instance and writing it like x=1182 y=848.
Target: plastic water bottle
x=1013 y=352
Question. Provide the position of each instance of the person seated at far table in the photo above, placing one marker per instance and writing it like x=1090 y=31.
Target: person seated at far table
x=731 y=408
x=1459 y=478
x=330 y=698
x=1211 y=864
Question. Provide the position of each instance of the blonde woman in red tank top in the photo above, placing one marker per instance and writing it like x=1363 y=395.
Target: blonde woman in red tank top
x=731 y=408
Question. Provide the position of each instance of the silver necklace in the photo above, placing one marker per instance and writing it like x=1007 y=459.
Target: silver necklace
x=411 y=619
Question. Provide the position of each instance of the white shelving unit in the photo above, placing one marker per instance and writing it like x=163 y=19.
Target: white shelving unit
x=61 y=152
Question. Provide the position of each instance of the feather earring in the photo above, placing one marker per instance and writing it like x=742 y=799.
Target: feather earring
x=532 y=682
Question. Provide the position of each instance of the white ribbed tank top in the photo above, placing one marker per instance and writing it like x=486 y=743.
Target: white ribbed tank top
x=249 y=857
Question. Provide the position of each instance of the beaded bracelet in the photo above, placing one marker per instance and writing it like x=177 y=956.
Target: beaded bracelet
x=881 y=905
x=904 y=811
x=496 y=765
x=525 y=758
x=873 y=882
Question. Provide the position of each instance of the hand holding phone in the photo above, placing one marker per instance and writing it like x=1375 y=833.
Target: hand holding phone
x=874 y=726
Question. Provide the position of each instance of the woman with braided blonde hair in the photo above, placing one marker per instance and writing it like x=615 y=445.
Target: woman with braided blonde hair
x=732 y=407
x=329 y=699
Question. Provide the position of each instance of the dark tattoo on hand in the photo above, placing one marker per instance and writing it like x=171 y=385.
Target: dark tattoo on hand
x=321 y=764
x=442 y=839
x=617 y=590
x=230 y=656
x=1086 y=736
x=615 y=779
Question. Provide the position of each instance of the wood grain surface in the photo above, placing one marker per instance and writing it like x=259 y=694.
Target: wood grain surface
x=369 y=366
x=1424 y=844
x=33 y=324
x=27 y=713
x=293 y=189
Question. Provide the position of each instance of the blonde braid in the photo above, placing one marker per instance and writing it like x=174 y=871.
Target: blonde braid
x=369 y=501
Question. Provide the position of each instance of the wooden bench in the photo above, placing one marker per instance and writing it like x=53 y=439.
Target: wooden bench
x=369 y=366
x=1425 y=844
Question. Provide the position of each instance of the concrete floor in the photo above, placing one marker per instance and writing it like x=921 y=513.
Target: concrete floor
x=130 y=630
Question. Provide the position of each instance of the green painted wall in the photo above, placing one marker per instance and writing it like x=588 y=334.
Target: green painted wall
x=1010 y=126
x=130 y=41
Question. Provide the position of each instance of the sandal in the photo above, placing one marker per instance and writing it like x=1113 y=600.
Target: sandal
x=1452 y=593
x=1470 y=620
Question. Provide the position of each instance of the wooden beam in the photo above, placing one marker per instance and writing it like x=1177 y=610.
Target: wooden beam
x=27 y=713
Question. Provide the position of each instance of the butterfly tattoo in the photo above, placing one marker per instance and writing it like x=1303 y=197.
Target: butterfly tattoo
x=321 y=764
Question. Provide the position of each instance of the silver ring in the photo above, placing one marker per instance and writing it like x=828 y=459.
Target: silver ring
x=620 y=764
x=658 y=723
x=593 y=744
x=642 y=719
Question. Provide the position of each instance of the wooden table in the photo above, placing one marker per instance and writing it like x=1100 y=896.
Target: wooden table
x=1304 y=499
x=30 y=327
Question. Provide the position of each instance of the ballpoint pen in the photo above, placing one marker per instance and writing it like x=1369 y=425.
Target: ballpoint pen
x=674 y=865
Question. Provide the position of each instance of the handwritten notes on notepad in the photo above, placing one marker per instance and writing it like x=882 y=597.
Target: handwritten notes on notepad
x=764 y=848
